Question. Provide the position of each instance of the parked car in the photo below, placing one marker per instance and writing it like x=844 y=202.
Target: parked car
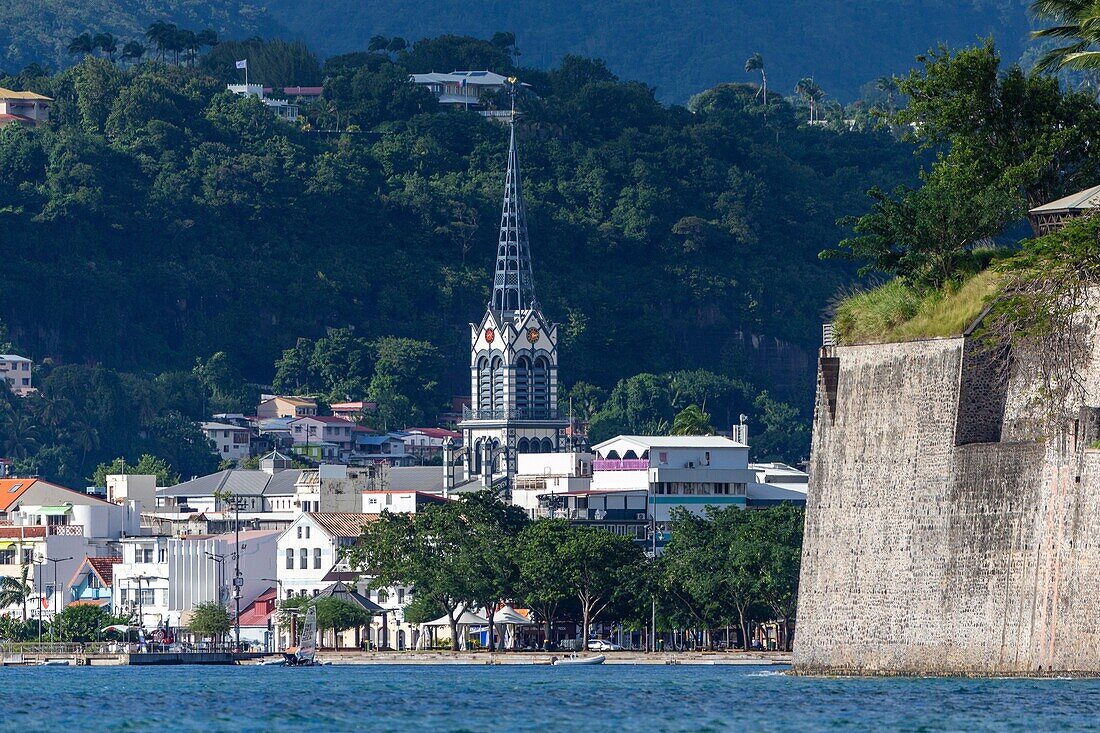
x=602 y=645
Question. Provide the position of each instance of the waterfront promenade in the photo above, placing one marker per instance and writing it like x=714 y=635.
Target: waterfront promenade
x=482 y=657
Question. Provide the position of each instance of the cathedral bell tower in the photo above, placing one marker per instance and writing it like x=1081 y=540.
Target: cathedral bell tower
x=513 y=356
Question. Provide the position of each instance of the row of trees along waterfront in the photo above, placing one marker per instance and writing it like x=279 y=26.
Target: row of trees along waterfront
x=729 y=567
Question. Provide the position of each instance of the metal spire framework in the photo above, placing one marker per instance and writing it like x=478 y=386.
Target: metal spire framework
x=513 y=282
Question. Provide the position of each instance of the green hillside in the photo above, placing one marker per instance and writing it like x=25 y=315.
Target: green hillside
x=173 y=221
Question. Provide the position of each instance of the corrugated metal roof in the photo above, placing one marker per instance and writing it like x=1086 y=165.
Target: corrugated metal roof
x=1080 y=201
x=342 y=524
x=12 y=94
x=237 y=481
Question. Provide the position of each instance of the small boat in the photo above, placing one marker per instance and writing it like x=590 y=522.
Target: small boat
x=56 y=663
x=271 y=663
x=598 y=659
x=304 y=654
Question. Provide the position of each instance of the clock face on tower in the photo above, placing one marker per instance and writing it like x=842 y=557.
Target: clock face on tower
x=532 y=336
x=490 y=335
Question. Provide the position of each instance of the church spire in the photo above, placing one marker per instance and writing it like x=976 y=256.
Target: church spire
x=513 y=283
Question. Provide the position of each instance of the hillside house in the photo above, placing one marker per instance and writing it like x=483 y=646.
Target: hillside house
x=16 y=371
x=23 y=108
x=272 y=406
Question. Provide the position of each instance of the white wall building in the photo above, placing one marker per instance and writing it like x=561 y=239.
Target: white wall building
x=549 y=474
x=692 y=472
x=16 y=371
x=283 y=109
x=309 y=562
x=160 y=579
x=231 y=442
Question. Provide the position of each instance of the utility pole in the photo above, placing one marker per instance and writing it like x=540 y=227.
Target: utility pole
x=238 y=581
x=653 y=539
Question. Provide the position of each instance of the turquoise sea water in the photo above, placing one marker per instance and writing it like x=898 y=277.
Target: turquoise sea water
x=481 y=699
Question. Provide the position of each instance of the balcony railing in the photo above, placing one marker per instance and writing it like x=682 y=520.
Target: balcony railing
x=67 y=530
x=519 y=413
x=625 y=464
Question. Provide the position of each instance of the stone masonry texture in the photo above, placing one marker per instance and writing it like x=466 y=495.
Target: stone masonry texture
x=936 y=542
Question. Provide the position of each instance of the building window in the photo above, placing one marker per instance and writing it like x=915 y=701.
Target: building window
x=307 y=533
x=162 y=554
x=290 y=593
x=303 y=559
x=148 y=596
x=498 y=383
x=383 y=596
x=145 y=554
x=316 y=558
x=540 y=386
x=125 y=595
x=401 y=596
x=523 y=382
x=289 y=558
x=7 y=557
x=299 y=533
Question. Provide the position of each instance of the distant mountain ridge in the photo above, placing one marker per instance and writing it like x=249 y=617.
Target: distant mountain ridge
x=679 y=46
x=38 y=31
x=685 y=46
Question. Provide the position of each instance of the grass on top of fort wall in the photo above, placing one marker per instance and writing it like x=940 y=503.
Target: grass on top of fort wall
x=895 y=311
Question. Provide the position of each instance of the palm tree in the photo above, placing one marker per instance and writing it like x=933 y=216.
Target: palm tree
x=85 y=437
x=888 y=87
x=397 y=43
x=133 y=50
x=692 y=421
x=378 y=43
x=81 y=44
x=1077 y=21
x=16 y=591
x=756 y=63
x=21 y=435
x=808 y=89
x=188 y=42
x=106 y=43
x=161 y=34
x=207 y=38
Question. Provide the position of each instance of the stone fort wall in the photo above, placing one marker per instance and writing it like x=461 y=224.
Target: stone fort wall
x=940 y=539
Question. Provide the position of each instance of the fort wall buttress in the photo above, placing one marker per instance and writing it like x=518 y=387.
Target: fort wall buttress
x=931 y=546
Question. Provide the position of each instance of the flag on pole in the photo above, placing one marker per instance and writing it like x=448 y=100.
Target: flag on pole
x=242 y=64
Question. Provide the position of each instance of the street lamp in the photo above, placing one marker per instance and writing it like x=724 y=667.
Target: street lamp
x=141 y=600
x=57 y=619
x=278 y=602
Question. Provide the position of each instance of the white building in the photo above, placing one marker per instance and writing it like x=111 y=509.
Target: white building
x=309 y=563
x=49 y=530
x=398 y=502
x=24 y=108
x=160 y=579
x=777 y=483
x=692 y=472
x=231 y=442
x=16 y=371
x=283 y=109
x=463 y=89
x=544 y=475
